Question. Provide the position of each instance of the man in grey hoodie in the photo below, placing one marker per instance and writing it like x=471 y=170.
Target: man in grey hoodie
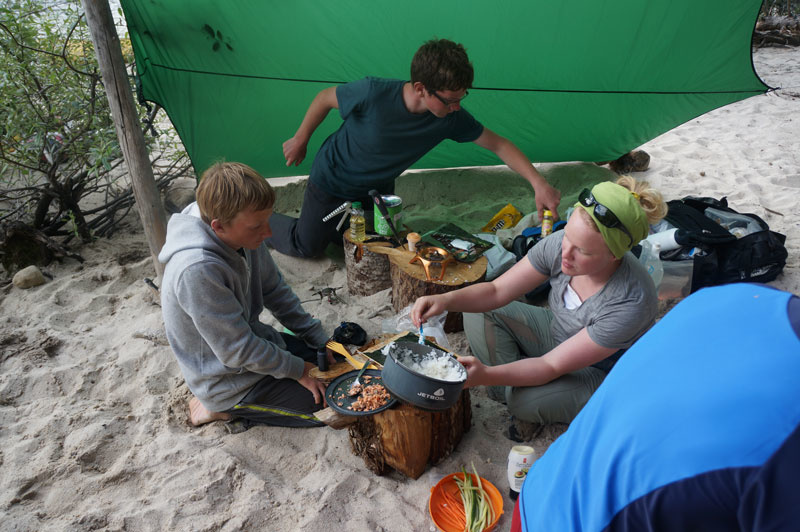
x=219 y=276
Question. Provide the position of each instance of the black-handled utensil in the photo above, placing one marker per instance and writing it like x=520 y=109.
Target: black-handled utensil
x=376 y=197
x=322 y=359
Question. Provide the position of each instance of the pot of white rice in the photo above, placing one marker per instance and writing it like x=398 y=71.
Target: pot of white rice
x=423 y=376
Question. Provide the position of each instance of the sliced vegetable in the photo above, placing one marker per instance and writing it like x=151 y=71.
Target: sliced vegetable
x=477 y=506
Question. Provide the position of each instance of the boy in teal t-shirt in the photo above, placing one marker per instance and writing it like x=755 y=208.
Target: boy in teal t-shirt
x=388 y=126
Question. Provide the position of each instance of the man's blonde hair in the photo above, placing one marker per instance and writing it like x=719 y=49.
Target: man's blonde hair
x=226 y=189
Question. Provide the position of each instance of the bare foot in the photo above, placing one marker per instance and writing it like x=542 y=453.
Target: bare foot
x=199 y=415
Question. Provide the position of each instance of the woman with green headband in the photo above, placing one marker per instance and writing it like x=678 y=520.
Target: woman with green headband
x=546 y=363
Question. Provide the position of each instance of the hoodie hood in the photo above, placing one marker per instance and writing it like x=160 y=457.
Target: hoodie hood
x=211 y=298
x=188 y=231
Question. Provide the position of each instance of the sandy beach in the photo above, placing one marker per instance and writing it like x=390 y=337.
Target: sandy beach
x=93 y=419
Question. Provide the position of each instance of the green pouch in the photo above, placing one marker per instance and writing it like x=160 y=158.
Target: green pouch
x=468 y=247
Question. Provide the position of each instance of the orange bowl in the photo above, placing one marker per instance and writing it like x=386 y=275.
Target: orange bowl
x=445 y=495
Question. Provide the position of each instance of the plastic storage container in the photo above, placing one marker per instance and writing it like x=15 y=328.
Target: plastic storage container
x=677 y=280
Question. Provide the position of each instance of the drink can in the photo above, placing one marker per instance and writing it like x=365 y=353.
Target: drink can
x=394 y=204
x=520 y=460
x=547 y=222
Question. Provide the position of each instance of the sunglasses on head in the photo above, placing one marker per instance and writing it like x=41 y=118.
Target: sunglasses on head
x=603 y=214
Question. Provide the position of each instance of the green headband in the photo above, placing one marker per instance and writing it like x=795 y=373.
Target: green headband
x=625 y=206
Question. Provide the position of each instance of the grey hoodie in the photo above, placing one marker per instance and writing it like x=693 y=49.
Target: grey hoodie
x=211 y=297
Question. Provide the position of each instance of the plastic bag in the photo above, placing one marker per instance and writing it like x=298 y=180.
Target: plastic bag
x=499 y=258
x=434 y=327
x=737 y=224
x=506 y=236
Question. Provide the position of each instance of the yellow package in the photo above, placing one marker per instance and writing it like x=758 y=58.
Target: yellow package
x=507 y=217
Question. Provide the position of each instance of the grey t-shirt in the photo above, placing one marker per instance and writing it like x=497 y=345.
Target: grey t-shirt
x=616 y=316
x=380 y=138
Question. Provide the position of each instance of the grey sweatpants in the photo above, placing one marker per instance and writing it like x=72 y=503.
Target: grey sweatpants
x=517 y=331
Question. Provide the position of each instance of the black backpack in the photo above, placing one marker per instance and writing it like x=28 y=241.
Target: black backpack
x=719 y=256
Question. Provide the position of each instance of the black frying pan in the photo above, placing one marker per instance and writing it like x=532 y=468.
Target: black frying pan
x=337 y=398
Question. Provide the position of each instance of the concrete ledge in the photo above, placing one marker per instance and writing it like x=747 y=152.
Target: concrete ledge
x=282 y=181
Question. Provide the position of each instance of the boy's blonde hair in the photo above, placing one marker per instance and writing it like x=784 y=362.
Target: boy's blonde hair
x=226 y=189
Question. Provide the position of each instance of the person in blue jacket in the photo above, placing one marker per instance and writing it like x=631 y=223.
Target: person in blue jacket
x=696 y=428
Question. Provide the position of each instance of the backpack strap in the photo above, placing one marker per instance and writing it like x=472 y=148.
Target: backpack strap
x=701 y=230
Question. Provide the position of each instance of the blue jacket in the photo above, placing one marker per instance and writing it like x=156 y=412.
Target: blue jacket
x=695 y=428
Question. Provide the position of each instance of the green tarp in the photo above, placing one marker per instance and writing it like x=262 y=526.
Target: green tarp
x=566 y=80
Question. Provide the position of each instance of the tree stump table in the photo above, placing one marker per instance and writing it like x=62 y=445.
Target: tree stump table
x=407 y=438
x=404 y=437
x=409 y=282
x=367 y=271
x=374 y=266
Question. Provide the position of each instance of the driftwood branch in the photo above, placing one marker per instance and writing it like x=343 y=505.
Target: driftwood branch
x=777 y=31
x=774 y=38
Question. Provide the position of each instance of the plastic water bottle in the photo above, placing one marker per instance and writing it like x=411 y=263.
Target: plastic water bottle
x=651 y=260
x=358 y=224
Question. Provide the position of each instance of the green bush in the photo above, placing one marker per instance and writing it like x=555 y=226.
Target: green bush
x=780 y=8
x=59 y=154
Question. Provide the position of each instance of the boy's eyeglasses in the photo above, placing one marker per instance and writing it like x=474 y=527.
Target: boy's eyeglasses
x=451 y=101
x=603 y=214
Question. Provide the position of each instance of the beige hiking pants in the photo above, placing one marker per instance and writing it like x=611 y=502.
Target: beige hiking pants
x=517 y=331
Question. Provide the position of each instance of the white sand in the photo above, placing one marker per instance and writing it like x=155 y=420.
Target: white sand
x=92 y=404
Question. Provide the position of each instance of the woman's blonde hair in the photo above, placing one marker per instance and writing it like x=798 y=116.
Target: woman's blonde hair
x=650 y=199
x=226 y=189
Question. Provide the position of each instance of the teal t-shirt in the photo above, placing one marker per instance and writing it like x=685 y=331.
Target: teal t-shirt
x=380 y=138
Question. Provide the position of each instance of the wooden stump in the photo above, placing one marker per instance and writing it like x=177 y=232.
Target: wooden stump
x=409 y=283
x=407 y=438
x=404 y=437
x=367 y=272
